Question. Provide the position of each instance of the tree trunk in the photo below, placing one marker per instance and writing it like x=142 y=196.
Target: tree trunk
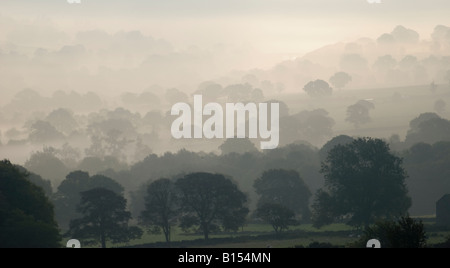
x=103 y=238
x=205 y=231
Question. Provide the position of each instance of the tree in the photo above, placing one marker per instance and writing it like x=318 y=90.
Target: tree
x=339 y=140
x=211 y=200
x=26 y=214
x=279 y=216
x=47 y=165
x=429 y=128
x=358 y=113
x=104 y=218
x=68 y=196
x=318 y=88
x=439 y=106
x=161 y=207
x=238 y=146
x=38 y=181
x=403 y=233
x=340 y=80
x=286 y=188
x=63 y=120
x=364 y=182
x=42 y=131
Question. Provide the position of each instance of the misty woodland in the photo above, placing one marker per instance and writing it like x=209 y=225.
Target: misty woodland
x=120 y=138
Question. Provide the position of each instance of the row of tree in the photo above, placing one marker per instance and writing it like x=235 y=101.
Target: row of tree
x=364 y=182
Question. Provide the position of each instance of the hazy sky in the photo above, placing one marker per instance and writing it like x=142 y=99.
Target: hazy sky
x=271 y=26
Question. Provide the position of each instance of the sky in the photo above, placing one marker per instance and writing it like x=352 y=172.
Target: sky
x=271 y=26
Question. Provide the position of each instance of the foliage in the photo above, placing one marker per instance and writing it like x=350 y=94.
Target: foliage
x=318 y=88
x=285 y=188
x=104 y=217
x=404 y=233
x=161 y=207
x=68 y=196
x=277 y=215
x=340 y=80
x=358 y=113
x=212 y=200
x=239 y=146
x=364 y=182
x=26 y=214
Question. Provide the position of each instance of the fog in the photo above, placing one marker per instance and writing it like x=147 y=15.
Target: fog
x=90 y=86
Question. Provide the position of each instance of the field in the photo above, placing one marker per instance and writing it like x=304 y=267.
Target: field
x=262 y=236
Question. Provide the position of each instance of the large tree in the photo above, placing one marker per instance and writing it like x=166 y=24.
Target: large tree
x=359 y=113
x=26 y=214
x=161 y=207
x=364 y=182
x=68 y=196
x=340 y=80
x=279 y=216
x=318 y=88
x=286 y=188
x=104 y=217
x=210 y=200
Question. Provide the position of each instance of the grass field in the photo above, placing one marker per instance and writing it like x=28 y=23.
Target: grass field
x=262 y=236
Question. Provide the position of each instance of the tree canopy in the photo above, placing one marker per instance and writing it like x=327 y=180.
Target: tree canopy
x=26 y=214
x=286 y=188
x=211 y=200
x=104 y=218
x=364 y=182
x=161 y=207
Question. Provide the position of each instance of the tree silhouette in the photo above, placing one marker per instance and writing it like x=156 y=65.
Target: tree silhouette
x=340 y=80
x=26 y=214
x=161 y=207
x=104 y=217
x=211 y=200
x=358 y=113
x=364 y=182
x=68 y=196
x=318 y=88
x=279 y=216
x=403 y=233
x=239 y=146
x=439 y=106
x=285 y=188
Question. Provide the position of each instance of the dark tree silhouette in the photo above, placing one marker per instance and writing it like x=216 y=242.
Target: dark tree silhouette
x=279 y=216
x=358 y=113
x=211 y=200
x=68 y=196
x=26 y=214
x=429 y=128
x=340 y=80
x=404 y=233
x=364 y=182
x=161 y=207
x=286 y=188
x=339 y=140
x=104 y=217
x=38 y=181
x=318 y=88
